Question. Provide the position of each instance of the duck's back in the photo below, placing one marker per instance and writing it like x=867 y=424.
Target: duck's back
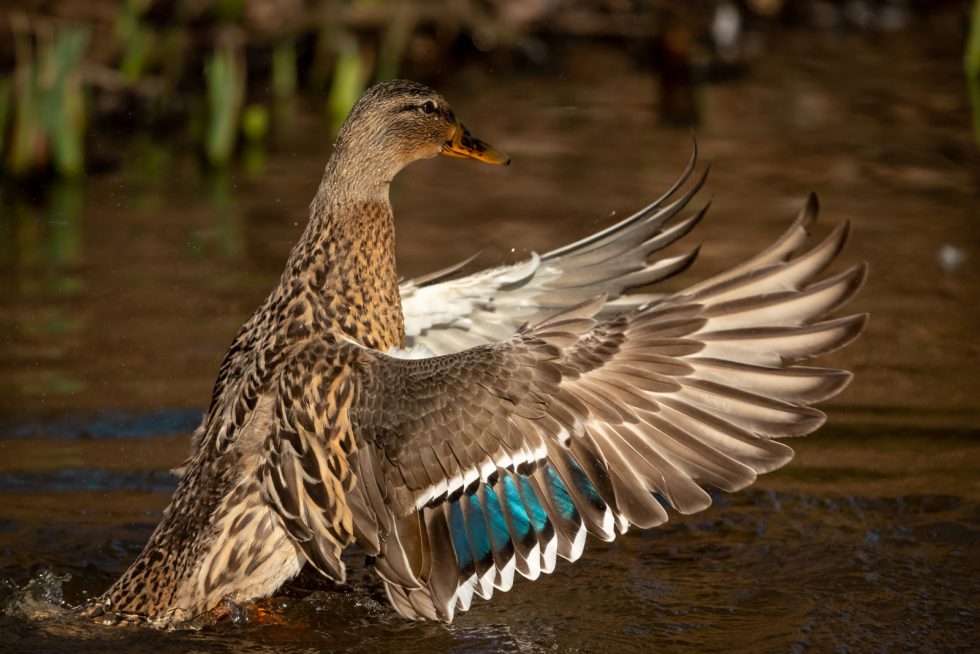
x=228 y=531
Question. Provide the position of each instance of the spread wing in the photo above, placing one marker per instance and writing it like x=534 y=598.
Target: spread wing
x=447 y=314
x=477 y=466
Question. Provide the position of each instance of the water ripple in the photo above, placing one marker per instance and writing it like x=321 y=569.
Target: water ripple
x=107 y=424
x=87 y=479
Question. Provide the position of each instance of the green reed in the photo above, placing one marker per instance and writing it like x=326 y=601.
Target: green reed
x=137 y=38
x=348 y=80
x=48 y=103
x=971 y=64
x=225 y=77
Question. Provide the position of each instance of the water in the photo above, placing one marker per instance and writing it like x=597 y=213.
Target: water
x=119 y=298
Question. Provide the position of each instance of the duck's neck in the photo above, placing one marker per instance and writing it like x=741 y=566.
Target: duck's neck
x=347 y=258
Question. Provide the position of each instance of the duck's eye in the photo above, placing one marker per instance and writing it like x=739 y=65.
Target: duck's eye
x=428 y=107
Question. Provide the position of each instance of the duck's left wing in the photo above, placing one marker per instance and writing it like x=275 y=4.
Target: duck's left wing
x=446 y=313
x=474 y=466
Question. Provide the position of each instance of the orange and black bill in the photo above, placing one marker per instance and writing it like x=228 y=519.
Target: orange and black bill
x=465 y=145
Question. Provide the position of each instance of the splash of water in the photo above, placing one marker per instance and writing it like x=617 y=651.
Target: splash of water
x=42 y=597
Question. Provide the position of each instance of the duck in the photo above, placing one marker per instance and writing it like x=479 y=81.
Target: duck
x=466 y=431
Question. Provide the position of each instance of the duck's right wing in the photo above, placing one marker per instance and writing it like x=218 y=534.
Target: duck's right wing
x=474 y=466
x=447 y=314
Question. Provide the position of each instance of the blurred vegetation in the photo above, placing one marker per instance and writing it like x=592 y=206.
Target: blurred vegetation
x=224 y=73
x=228 y=72
x=971 y=63
x=46 y=100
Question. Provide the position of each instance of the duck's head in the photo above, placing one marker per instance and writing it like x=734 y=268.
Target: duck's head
x=395 y=123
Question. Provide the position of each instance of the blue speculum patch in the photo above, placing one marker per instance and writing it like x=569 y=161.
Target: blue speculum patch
x=477 y=528
x=537 y=513
x=563 y=501
x=518 y=514
x=457 y=530
x=499 y=534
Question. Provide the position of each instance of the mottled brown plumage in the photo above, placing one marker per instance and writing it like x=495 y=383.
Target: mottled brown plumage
x=458 y=471
x=238 y=525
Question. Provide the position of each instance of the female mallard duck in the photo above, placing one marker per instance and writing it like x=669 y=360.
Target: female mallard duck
x=539 y=402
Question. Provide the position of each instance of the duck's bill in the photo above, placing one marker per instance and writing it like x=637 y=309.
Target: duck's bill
x=466 y=146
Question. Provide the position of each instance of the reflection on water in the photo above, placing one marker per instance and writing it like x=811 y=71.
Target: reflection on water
x=120 y=296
